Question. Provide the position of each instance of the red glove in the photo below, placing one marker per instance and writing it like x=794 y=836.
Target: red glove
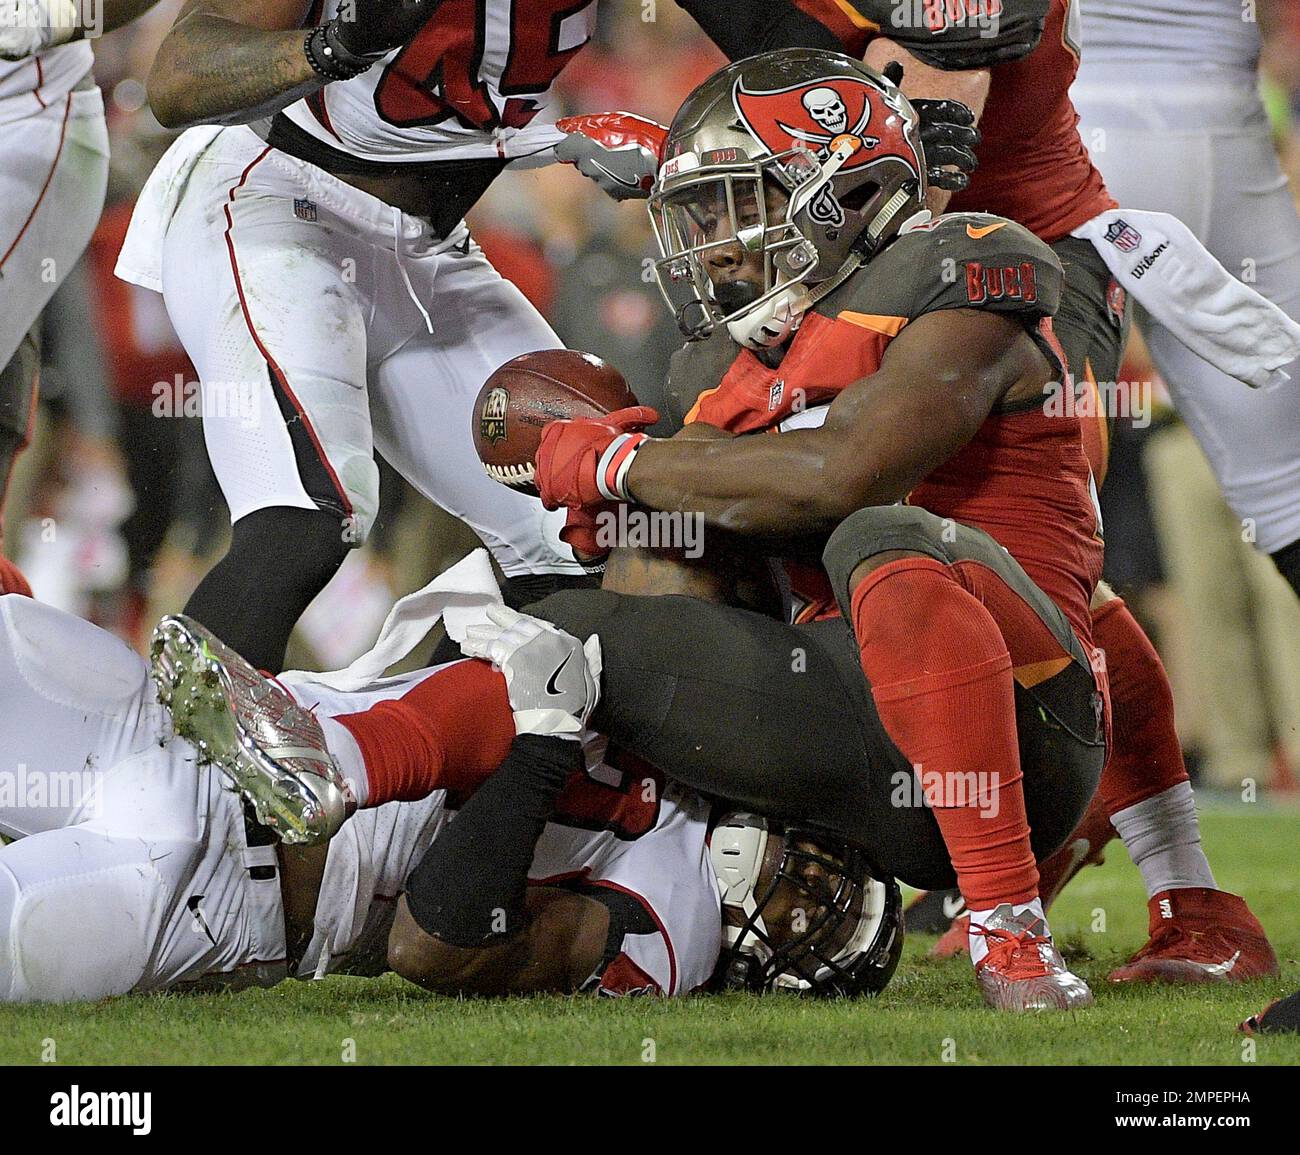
x=618 y=150
x=584 y=462
x=582 y=534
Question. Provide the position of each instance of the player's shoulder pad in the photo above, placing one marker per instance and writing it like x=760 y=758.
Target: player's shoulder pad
x=955 y=35
x=695 y=368
x=958 y=261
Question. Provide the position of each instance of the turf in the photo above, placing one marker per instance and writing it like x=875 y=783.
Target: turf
x=931 y=1013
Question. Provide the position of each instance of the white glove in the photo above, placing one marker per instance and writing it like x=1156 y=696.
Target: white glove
x=553 y=680
x=30 y=26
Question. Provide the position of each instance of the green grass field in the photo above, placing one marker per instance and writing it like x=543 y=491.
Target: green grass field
x=931 y=1013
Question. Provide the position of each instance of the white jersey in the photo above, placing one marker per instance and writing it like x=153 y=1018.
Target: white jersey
x=131 y=871
x=36 y=82
x=474 y=83
x=1194 y=34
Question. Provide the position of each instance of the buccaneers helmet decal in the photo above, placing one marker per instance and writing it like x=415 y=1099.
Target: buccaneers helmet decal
x=815 y=114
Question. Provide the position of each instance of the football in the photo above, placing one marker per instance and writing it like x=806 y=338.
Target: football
x=518 y=400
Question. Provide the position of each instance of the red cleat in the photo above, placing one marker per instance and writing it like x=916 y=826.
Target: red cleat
x=955 y=940
x=1085 y=847
x=1200 y=936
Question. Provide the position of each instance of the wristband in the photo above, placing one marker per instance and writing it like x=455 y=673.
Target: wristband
x=330 y=59
x=614 y=463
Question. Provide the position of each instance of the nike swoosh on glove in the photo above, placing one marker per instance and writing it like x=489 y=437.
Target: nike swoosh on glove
x=579 y=464
x=30 y=26
x=552 y=679
x=618 y=150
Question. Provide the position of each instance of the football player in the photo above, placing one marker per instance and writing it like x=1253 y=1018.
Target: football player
x=316 y=266
x=136 y=868
x=1015 y=71
x=52 y=184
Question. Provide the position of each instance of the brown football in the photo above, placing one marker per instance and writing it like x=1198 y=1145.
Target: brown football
x=529 y=391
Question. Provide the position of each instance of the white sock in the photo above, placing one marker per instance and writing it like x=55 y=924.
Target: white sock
x=348 y=755
x=1163 y=838
x=979 y=945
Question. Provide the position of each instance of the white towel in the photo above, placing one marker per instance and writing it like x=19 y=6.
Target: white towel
x=140 y=260
x=1177 y=280
x=459 y=596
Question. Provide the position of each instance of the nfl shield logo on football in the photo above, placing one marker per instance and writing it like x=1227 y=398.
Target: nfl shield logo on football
x=492 y=418
x=1123 y=236
x=304 y=209
x=775 y=395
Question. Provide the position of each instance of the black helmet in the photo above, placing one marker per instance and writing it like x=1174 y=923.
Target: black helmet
x=838 y=139
x=848 y=943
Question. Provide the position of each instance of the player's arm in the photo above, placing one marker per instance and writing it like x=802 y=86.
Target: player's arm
x=561 y=947
x=31 y=26
x=230 y=62
x=939 y=380
x=236 y=61
x=743 y=28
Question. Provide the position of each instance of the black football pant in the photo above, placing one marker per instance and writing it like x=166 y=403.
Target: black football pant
x=779 y=719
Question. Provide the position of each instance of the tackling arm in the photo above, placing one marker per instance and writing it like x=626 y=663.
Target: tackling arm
x=231 y=62
x=938 y=381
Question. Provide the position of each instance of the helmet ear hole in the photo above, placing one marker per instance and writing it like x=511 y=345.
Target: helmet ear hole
x=857 y=198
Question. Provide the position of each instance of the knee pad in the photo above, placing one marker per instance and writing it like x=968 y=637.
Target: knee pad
x=71 y=932
x=880 y=529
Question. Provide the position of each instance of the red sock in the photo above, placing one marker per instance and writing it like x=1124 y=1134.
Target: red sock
x=449 y=732
x=1146 y=756
x=940 y=674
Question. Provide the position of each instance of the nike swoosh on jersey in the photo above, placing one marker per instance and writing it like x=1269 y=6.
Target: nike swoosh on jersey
x=978 y=234
x=551 y=684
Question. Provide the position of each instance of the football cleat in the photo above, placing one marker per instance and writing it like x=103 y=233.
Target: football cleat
x=1200 y=935
x=1085 y=847
x=932 y=911
x=271 y=748
x=1023 y=970
x=955 y=940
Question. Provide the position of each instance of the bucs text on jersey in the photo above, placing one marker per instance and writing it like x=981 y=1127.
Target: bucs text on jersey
x=1022 y=459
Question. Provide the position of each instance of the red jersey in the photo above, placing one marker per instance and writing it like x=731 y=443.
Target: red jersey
x=1024 y=478
x=1033 y=166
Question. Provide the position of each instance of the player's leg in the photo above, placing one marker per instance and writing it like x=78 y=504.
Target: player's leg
x=79 y=916
x=18 y=384
x=424 y=393
x=77 y=702
x=277 y=329
x=947 y=630
x=1231 y=192
x=51 y=192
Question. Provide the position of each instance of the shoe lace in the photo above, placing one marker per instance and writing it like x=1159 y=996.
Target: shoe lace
x=1014 y=956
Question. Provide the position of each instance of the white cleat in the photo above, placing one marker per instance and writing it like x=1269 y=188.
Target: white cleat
x=271 y=748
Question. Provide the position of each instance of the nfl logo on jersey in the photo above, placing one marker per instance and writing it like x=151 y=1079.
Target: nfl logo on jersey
x=1123 y=236
x=304 y=209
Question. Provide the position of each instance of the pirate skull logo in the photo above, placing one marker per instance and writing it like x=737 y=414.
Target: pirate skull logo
x=827 y=108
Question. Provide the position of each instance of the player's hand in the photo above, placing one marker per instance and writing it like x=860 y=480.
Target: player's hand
x=583 y=463
x=552 y=679
x=618 y=150
x=949 y=137
x=581 y=533
x=363 y=32
x=31 y=26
